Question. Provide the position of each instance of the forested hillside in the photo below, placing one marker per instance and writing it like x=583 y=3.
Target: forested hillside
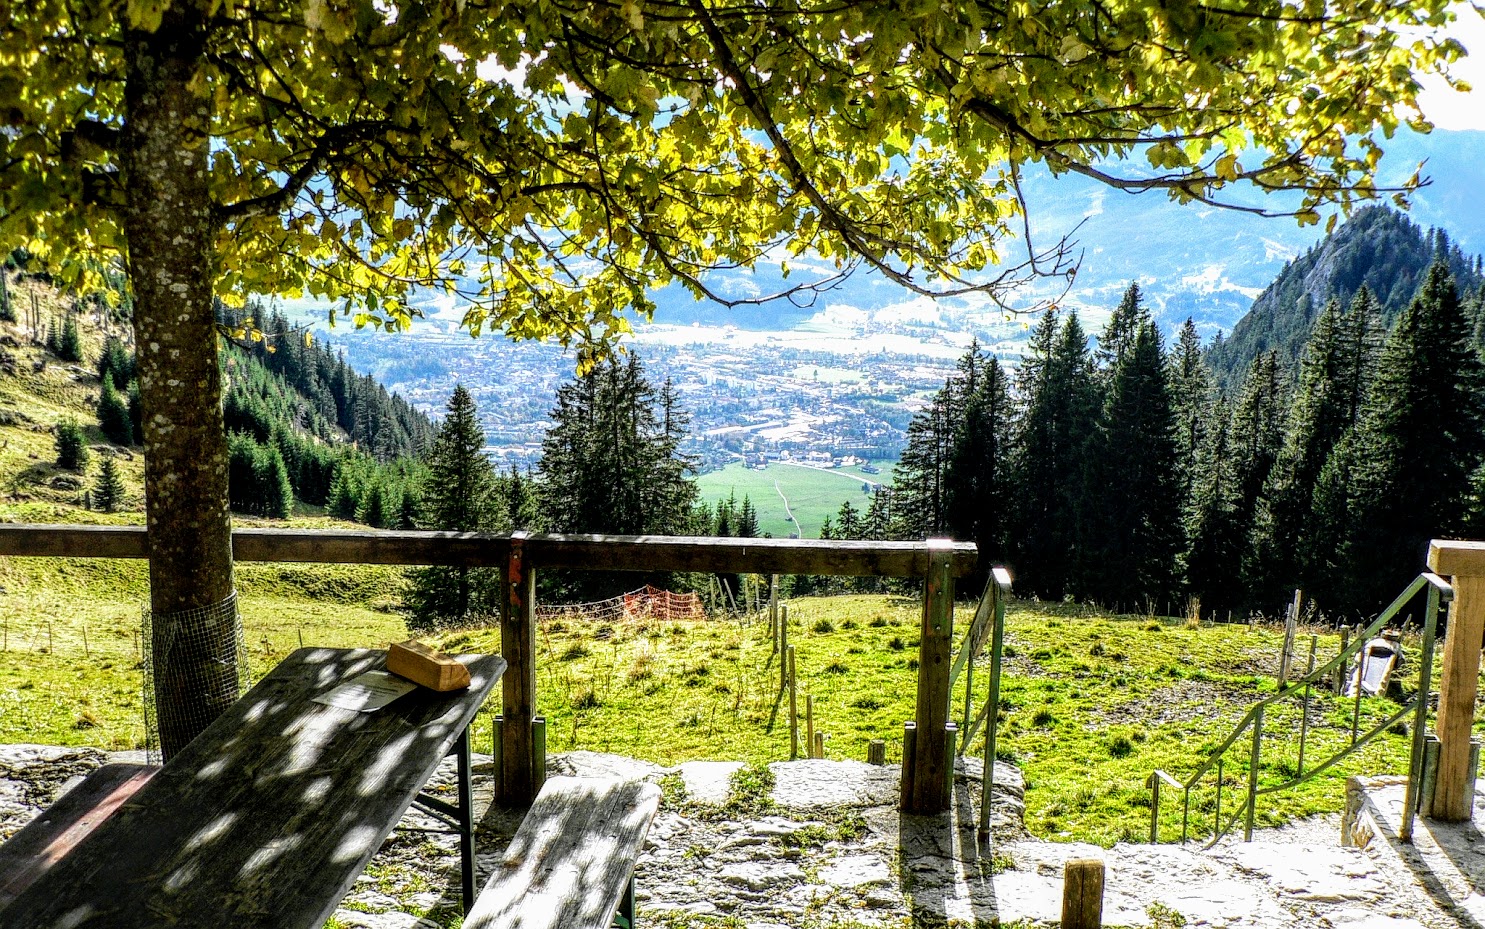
x=1123 y=476
x=305 y=429
x=1378 y=248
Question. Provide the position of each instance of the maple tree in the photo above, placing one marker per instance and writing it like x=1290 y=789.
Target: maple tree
x=555 y=162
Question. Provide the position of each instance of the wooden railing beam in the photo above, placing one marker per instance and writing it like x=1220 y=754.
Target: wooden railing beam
x=475 y=549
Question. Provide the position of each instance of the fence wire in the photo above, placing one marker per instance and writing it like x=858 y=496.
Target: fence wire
x=212 y=638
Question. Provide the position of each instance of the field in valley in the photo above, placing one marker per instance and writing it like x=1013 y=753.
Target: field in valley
x=813 y=494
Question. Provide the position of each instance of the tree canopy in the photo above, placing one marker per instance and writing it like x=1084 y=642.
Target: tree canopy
x=554 y=162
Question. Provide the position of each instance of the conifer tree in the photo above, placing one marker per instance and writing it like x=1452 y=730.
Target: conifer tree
x=1051 y=457
x=979 y=493
x=1254 y=438
x=72 y=447
x=115 y=363
x=1214 y=534
x=1122 y=330
x=345 y=493
x=1335 y=371
x=1191 y=391
x=458 y=497
x=69 y=341
x=1421 y=438
x=113 y=415
x=276 y=494
x=1136 y=527
x=108 y=490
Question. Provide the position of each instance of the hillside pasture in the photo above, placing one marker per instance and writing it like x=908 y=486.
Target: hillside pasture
x=1090 y=705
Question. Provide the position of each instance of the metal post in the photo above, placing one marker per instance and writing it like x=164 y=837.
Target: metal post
x=1304 y=719
x=1253 y=772
x=1217 y=816
x=1154 y=809
x=992 y=712
x=1420 y=718
x=466 y=819
x=1356 y=706
x=773 y=611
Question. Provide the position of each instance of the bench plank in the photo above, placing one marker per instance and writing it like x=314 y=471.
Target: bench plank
x=46 y=839
x=570 y=863
x=265 y=819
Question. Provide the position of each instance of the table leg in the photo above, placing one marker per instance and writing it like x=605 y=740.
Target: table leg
x=466 y=819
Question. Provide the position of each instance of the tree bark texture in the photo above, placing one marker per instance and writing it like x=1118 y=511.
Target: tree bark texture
x=171 y=236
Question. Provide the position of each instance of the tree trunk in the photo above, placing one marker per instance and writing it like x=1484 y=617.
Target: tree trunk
x=171 y=235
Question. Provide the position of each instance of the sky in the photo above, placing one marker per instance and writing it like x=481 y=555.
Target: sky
x=1449 y=109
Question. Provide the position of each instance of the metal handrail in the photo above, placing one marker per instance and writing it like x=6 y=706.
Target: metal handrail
x=990 y=613
x=1439 y=593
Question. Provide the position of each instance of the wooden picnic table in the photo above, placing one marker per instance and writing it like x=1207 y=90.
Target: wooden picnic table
x=266 y=818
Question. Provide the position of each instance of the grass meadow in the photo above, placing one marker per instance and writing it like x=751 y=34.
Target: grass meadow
x=814 y=494
x=1090 y=703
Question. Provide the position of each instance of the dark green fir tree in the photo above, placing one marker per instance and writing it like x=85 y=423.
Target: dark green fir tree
x=72 y=446
x=459 y=496
x=1051 y=457
x=113 y=415
x=1420 y=440
x=1136 y=526
x=108 y=489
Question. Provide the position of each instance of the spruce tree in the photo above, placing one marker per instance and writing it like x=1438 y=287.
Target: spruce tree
x=1122 y=330
x=113 y=415
x=611 y=463
x=1191 y=390
x=979 y=492
x=1052 y=456
x=275 y=493
x=1420 y=440
x=457 y=497
x=108 y=490
x=1254 y=438
x=72 y=447
x=69 y=342
x=1136 y=529
x=115 y=363
x=1214 y=533
x=1335 y=371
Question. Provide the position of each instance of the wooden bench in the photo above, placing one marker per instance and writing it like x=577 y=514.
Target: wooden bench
x=48 y=838
x=571 y=864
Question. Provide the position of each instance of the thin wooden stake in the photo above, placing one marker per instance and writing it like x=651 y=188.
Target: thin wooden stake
x=793 y=707
x=86 y=652
x=1291 y=623
x=809 y=724
x=876 y=752
x=819 y=743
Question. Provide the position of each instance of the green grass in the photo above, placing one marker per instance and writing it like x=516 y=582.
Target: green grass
x=1090 y=704
x=813 y=493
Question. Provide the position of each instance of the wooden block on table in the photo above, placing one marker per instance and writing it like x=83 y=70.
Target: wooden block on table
x=422 y=665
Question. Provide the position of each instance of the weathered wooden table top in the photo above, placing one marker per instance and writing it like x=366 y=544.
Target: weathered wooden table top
x=266 y=818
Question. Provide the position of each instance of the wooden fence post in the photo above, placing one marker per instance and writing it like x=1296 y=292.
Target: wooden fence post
x=518 y=687
x=924 y=772
x=1464 y=564
x=1082 y=894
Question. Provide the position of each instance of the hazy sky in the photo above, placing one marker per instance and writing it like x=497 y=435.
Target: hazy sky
x=1449 y=109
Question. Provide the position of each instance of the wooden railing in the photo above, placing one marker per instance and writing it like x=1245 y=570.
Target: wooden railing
x=520 y=555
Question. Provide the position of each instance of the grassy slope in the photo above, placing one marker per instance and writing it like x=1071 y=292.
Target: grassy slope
x=1090 y=704
x=814 y=494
